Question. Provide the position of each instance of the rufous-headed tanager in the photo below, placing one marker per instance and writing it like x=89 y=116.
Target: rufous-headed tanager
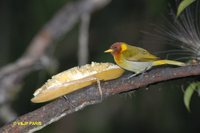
x=136 y=59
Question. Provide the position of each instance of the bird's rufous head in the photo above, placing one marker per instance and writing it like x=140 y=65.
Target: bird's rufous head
x=117 y=48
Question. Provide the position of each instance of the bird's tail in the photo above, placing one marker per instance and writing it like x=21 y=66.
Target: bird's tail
x=169 y=62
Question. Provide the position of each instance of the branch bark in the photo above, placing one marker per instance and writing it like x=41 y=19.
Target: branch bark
x=90 y=95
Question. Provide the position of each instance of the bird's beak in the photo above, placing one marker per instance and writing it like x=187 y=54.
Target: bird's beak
x=108 y=51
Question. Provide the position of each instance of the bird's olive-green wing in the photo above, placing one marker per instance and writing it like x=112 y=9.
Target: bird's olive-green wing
x=138 y=54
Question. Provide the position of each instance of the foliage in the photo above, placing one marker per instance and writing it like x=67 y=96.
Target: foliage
x=182 y=6
x=195 y=86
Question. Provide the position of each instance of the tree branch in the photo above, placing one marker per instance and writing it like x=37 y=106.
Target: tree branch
x=83 y=39
x=12 y=74
x=90 y=95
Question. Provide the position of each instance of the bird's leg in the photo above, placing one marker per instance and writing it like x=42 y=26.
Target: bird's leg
x=133 y=75
x=143 y=72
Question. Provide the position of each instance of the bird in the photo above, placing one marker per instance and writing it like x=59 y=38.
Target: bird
x=136 y=59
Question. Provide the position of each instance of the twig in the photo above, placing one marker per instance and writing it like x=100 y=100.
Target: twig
x=12 y=75
x=90 y=95
x=83 y=39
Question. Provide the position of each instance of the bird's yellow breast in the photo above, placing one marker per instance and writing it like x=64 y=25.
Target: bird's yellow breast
x=133 y=66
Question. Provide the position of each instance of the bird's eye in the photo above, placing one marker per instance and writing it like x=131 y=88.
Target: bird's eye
x=115 y=48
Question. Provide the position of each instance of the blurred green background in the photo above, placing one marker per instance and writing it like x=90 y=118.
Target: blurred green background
x=156 y=108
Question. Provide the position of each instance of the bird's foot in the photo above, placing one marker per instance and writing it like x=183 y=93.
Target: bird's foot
x=133 y=75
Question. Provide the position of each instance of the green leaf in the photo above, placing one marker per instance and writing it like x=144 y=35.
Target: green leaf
x=188 y=93
x=198 y=91
x=183 y=5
